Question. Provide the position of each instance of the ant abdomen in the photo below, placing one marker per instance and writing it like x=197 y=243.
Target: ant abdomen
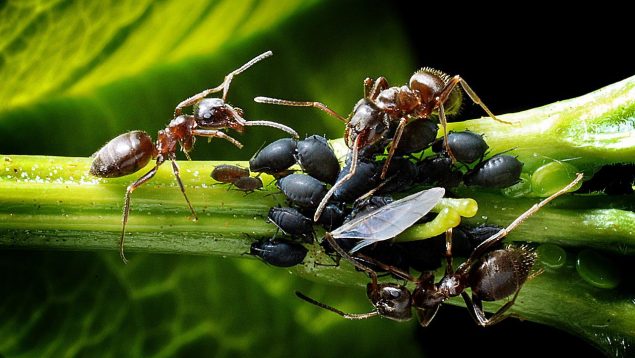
x=501 y=273
x=123 y=155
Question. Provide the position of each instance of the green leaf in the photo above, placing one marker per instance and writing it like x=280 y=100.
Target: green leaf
x=75 y=74
x=70 y=304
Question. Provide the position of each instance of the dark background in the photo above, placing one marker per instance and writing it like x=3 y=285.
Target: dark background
x=522 y=59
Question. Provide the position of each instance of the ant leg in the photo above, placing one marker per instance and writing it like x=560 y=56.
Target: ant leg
x=390 y=269
x=284 y=102
x=449 y=268
x=359 y=265
x=368 y=87
x=470 y=92
x=175 y=169
x=126 y=207
x=485 y=245
x=380 y=84
x=352 y=316
x=224 y=86
x=426 y=315
x=339 y=183
x=475 y=307
x=216 y=134
x=444 y=125
x=393 y=147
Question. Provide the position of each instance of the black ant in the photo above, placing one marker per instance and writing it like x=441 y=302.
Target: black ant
x=490 y=275
x=129 y=152
x=374 y=117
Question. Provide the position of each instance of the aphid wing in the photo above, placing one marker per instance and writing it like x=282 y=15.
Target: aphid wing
x=390 y=220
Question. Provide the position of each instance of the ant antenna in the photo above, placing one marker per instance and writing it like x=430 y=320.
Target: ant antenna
x=284 y=102
x=353 y=316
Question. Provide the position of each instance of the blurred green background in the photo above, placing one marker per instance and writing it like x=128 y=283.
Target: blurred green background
x=76 y=73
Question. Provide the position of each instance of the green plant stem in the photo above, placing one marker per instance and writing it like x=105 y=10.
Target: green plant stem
x=52 y=203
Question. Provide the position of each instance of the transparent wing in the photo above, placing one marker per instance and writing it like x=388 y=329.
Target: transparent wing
x=389 y=220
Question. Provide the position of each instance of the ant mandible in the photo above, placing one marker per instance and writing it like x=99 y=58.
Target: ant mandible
x=130 y=152
x=490 y=275
x=429 y=91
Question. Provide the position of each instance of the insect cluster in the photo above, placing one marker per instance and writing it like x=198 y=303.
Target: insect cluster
x=132 y=151
x=394 y=151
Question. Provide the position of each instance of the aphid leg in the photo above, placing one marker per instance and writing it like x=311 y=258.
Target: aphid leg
x=284 y=102
x=475 y=307
x=126 y=207
x=470 y=92
x=339 y=183
x=175 y=169
x=222 y=87
x=216 y=134
x=485 y=245
x=393 y=146
x=352 y=316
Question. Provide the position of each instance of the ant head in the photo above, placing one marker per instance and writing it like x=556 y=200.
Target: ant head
x=209 y=108
x=367 y=120
x=391 y=301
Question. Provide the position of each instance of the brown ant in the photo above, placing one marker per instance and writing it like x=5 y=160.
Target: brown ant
x=429 y=92
x=129 y=152
x=490 y=275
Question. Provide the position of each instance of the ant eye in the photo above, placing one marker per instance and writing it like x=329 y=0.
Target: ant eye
x=395 y=294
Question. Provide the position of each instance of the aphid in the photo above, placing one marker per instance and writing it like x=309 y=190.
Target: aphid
x=332 y=216
x=276 y=157
x=466 y=146
x=438 y=170
x=490 y=276
x=385 y=108
x=417 y=136
x=302 y=190
x=292 y=222
x=364 y=179
x=499 y=171
x=366 y=205
x=227 y=173
x=131 y=151
x=402 y=175
x=248 y=184
x=279 y=253
x=317 y=159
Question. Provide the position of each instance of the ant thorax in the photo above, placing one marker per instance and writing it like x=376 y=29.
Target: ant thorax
x=398 y=102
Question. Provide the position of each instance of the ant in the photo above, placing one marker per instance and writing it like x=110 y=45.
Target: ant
x=490 y=275
x=374 y=117
x=129 y=152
